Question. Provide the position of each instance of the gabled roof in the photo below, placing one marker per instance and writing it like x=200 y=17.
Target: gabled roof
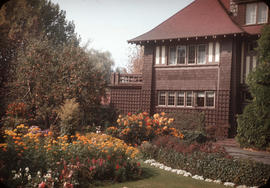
x=200 y=18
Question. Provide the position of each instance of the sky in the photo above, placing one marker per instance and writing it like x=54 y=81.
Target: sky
x=108 y=24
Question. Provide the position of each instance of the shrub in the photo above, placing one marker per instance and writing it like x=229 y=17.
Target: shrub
x=186 y=147
x=136 y=128
x=16 y=113
x=194 y=121
x=254 y=124
x=69 y=113
x=211 y=165
x=253 y=130
x=78 y=160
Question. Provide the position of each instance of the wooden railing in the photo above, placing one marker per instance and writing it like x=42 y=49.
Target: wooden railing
x=126 y=79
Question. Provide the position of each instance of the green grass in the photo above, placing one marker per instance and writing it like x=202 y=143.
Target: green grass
x=157 y=178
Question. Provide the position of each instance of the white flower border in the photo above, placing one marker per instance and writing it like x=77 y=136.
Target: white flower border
x=152 y=162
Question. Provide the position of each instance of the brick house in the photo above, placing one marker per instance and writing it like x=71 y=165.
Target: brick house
x=197 y=60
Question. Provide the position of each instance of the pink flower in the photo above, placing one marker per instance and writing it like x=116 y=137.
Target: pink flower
x=42 y=185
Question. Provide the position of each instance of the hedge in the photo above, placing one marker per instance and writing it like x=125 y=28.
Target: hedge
x=212 y=165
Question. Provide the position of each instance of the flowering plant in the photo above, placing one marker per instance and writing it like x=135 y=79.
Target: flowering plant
x=136 y=128
x=64 y=160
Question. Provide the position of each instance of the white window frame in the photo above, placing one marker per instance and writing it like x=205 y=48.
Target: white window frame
x=197 y=54
x=213 y=99
x=255 y=20
x=177 y=94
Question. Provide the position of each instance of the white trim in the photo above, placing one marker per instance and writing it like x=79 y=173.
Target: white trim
x=210 y=52
x=217 y=52
x=163 y=55
x=157 y=55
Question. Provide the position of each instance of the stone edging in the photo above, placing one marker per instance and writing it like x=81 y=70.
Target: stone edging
x=152 y=162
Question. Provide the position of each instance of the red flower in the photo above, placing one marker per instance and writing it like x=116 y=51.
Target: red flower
x=42 y=185
x=129 y=114
x=138 y=164
x=117 y=167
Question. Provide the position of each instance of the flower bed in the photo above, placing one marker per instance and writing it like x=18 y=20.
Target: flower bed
x=32 y=157
x=136 y=128
x=210 y=165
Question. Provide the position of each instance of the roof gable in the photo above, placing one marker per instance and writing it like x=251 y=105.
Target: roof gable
x=200 y=18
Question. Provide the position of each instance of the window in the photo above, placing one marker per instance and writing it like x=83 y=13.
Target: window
x=171 y=98
x=181 y=55
x=210 y=52
x=210 y=95
x=262 y=13
x=217 y=52
x=180 y=98
x=186 y=98
x=201 y=54
x=251 y=13
x=191 y=54
x=157 y=54
x=172 y=56
x=162 y=98
x=163 y=55
x=256 y=13
x=189 y=99
x=200 y=99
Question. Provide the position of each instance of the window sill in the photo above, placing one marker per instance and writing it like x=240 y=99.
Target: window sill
x=254 y=24
x=186 y=107
x=189 y=65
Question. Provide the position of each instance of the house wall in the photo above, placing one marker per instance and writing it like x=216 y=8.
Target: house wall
x=222 y=77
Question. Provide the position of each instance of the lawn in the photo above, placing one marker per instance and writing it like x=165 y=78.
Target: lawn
x=157 y=178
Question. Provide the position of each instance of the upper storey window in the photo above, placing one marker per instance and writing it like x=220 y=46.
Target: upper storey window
x=256 y=13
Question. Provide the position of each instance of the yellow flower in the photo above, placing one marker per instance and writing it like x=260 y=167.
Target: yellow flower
x=162 y=113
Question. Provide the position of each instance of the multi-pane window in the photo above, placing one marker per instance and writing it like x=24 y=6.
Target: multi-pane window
x=201 y=57
x=256 y=13
x=186 y=98
x=189 y=99
x=162 y=98
x=200 y=98
x=191 y=54
x=262 y=13
x=171 y=98
x=172 y=55
x=181 y=54
x=160 y=55
x=210 y=96
x=180 y=98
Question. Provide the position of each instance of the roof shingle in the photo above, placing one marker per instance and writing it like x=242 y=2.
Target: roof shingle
x=200 y=18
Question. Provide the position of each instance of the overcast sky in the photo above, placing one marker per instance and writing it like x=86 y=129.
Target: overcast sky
x=108 y=24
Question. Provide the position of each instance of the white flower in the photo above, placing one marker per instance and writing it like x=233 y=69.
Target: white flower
x=26 y=169
x=230 y=184
x=241 y=186
x=16 y=176
x=197 y=177
x=13 y=171
x=174 y=170
x=217 y=181
x=29 y=177
x=187 y=174
x=208 y=180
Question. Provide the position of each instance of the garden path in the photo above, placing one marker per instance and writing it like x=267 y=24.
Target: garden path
x=234 y=150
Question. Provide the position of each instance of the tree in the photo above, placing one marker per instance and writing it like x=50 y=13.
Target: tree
x=45 y=76
x=135 y=64
x=254 y=124
x=25 y=19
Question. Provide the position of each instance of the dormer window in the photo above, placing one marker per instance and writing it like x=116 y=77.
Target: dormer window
x=256 y=13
